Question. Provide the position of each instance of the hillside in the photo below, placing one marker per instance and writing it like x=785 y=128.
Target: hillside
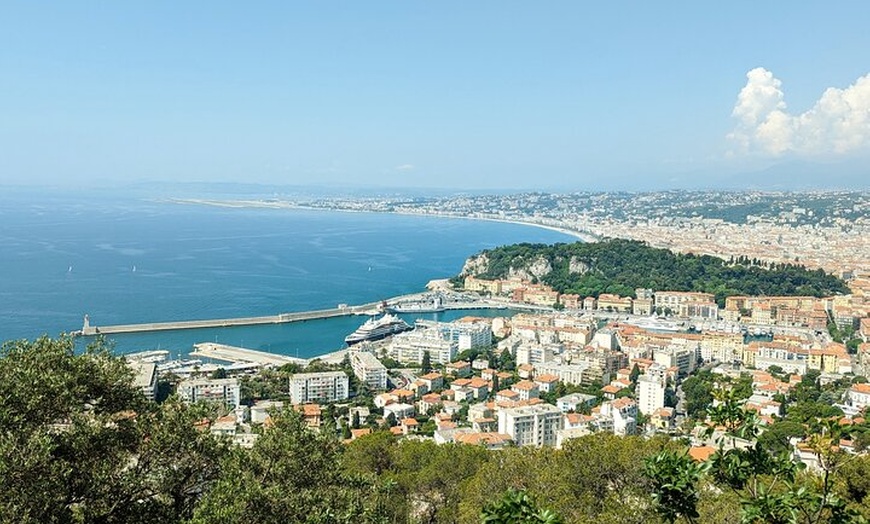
x=621 y=266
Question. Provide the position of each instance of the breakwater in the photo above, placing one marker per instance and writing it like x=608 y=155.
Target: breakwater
x=282 y=318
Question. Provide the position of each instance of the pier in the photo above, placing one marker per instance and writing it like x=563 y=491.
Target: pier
x=237 y=354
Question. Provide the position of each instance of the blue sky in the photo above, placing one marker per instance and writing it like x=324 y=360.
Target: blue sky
x=547 y=95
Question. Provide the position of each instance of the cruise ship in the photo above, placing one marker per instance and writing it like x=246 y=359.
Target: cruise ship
x=376 y=329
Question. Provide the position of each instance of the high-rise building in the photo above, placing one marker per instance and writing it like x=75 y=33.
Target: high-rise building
x=651 y=388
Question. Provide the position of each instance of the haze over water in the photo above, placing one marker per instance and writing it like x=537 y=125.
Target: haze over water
x=133 y=261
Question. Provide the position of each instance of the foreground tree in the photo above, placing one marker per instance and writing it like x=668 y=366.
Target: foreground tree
x=516 y=507
x=79 y=443
x=769 y=487
x=292 y=474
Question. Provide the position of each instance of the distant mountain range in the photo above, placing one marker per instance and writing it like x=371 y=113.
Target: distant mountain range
x=796 y=175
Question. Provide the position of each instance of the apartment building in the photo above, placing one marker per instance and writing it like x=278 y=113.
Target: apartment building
x=531 y=425
x=328 y=386
x=369 y=370
x=224 y=391
x=410 y=347
x=651 y=388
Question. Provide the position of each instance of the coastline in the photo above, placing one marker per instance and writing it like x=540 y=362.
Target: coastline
x=259 y=204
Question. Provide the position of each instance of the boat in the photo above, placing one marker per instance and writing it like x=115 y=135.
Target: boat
x=376 y=329
x=435 y=305
x=655 y=324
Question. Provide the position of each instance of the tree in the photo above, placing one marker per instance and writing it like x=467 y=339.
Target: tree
x=78 y=442
x=675 y=479
x=290 y=475
x=769 y=488
x=516 y=507
x=426 y=364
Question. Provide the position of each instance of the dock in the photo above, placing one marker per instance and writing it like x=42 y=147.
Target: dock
x=236 y=354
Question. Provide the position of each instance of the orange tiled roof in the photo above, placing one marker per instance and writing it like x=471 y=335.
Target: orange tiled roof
x=701 y=453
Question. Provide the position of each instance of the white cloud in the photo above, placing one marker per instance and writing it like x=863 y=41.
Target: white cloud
x=405 y=167
x=838 y=123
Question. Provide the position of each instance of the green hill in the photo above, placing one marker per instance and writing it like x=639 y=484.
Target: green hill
x=621 y=266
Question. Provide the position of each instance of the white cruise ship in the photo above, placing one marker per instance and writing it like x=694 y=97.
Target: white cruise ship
x=376 y=329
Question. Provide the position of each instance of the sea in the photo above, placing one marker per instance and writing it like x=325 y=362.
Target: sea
x=130 y=259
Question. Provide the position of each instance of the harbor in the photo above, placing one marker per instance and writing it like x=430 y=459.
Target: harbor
x=426 y=302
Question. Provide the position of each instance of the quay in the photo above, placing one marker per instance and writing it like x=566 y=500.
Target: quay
x=236 y=354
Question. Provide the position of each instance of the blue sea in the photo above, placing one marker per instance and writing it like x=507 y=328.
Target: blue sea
x=132 y=260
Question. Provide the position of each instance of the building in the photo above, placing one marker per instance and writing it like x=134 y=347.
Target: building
x=467 y=332
x=623 y=412
x=535 y=354
x=611 y=302
x=224 y=391
x=483 y=286
x=260 y=411
x=670 y=301
x=369 y=370
x=859 y=396
x=683 y=357
x=526 y=389
x=575 y=402
x=531 y=425
x=459 y=369
x=572 y=374
x=651 y=388
x=411 y=346
x=328 y=386
x=144 y=377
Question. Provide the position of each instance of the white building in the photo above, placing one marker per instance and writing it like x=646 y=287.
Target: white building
x=261 y=409
x=859 y=396
x=369 y=370
x=531 y=425
x=222 y=390
x=410 y=347
x=568 y=373
x=684 y=357
x=623 y=412
x=466 y=334
x=318 y=387
x=651 y=388
x=535 y=354
x=400 y=410
x=574 y=402
x=145 y=377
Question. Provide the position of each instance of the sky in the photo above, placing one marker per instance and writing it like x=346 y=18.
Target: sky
x=468 y=95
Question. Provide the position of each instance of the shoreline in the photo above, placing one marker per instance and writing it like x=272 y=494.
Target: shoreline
x=256 y=204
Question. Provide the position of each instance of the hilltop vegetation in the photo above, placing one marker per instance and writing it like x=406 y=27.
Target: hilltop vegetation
x=78 y=443
x=621 y=266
